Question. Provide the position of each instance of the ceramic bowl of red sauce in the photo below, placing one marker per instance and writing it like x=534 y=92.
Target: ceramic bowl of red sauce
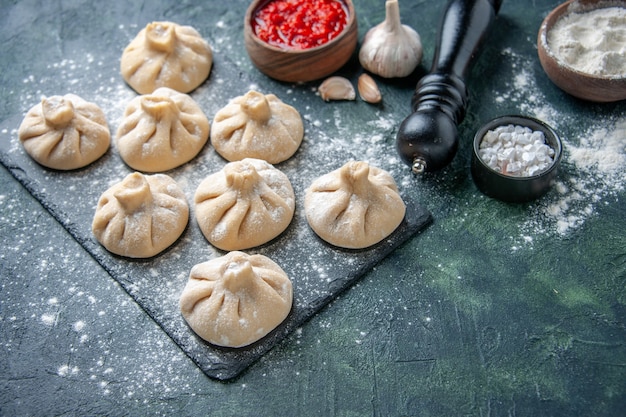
x=300 y=40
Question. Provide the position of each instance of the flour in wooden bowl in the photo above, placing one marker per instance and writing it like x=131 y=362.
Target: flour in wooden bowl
x=592 y=42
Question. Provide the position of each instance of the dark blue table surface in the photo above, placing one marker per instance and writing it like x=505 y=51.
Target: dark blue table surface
x=494 y=309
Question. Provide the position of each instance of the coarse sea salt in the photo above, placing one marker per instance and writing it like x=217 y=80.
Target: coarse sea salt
x=516 y=151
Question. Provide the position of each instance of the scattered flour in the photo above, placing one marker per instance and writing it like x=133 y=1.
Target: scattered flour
x=49 y=319
x=593 y=167
x=602 y=151
x=79 y=326
x=93 y=81
x=66 y=370
x=600 y=162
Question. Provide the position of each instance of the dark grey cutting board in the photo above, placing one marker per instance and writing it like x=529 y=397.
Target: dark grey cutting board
x=318 y=271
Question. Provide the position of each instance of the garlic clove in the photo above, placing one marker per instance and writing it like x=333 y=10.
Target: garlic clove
x=368 y=89
x=391 y=49
x=337 y=88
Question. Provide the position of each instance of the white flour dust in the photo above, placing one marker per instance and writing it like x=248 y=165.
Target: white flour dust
x=105 y=356
x=96 y=81
x=593 y=166
x=593 y=173
x=600 y=162
x=593 y=42
x=90 y=351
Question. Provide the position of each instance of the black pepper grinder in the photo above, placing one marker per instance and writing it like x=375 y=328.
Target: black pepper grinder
x=427 y=139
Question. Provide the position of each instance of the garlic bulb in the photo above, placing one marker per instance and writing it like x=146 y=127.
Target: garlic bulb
x=391 y=49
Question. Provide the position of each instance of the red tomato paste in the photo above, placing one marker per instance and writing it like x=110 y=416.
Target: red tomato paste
x=299 y=24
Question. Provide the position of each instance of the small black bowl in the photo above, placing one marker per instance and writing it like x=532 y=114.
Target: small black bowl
x=510 y=188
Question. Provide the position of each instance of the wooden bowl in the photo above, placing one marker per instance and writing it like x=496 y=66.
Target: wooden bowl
x=602 y=89
x=300 y=65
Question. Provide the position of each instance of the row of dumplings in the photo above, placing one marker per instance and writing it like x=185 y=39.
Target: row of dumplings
x=163 y=128
x=160 y=131
x=247 y=204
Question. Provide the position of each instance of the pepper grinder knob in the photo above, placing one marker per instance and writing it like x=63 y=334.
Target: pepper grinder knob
x=427 y=139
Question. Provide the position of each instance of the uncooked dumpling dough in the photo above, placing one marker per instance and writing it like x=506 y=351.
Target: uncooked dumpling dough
x=65 y=132
x=257 y=126
x=236 y=299
x=161 y=131
x=354 y=206
x=141 y=216
x=246 y=204
x=165 y=54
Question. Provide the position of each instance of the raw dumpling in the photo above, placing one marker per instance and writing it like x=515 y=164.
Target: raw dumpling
x=161 y=131
x=65 y=132
x=257 y=126
x=165 y=54
x=246 y=204
x=354 y=206
x=141 y=216
x=236 y=299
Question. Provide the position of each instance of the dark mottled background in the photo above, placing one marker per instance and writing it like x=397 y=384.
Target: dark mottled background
x=494 y=309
